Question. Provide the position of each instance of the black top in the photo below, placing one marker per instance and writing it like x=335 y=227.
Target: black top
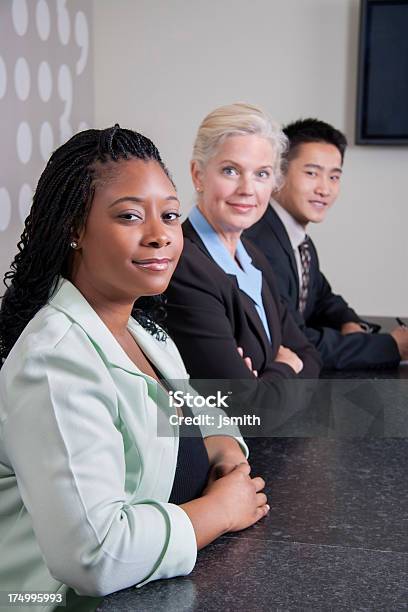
x=193 y=465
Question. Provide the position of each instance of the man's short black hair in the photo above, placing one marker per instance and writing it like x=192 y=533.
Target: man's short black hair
x=312 y=130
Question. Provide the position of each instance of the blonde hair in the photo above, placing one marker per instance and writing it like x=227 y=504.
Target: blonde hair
x=238 y=119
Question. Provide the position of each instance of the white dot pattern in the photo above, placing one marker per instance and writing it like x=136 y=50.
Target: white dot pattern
x=42 y=17
x=22 y=79
x=46 y=140
x=5 y=209
x=44 y=81
x=24 y=142
x=3 y=78
x=64 y=23
x=19 y=14
x=25 y=199
x=46 y=93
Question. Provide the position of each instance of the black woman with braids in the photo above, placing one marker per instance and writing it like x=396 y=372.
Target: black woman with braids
x=92 y=499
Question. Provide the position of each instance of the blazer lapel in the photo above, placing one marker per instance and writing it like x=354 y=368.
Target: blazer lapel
x=168 y=364
x=257 y=326
x=272 y=316
x=190 y=233
x=246 y=301
x=281 y=234
x=69 y=300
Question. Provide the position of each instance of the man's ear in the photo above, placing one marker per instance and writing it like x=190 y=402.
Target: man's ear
x=196 y=175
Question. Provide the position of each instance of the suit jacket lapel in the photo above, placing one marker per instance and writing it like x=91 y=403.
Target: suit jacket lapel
x=189 y=232
x=246 y=301
x=69 y=300
x=281 y=234
x=169 y=366
x=253 y=317
x=272 y=316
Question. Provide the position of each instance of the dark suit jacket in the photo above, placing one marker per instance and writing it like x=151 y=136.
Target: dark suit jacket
x=325 y=312
x=209 y=316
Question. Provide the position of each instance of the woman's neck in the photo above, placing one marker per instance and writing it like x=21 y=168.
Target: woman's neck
x=230 y=241
x=228 y=237
x=114 y=313
x=115 y=316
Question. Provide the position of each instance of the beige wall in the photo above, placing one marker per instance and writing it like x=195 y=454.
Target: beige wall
x=162 y=64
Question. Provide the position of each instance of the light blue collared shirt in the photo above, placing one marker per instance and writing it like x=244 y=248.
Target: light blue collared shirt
x=248 y=277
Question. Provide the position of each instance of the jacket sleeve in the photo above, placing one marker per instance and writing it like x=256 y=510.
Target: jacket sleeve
x=211 y=428
x=64 y=442
x=292 y=336
x=330 y=309
x=338 y=352
x=353 y=351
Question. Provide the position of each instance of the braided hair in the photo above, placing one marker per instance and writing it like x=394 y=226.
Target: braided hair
x=61 y=204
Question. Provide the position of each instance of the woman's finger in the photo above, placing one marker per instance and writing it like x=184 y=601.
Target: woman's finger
x=243 y=467
x=261 y=512
x=261 y=499
x=248 y=362
x=259 y=483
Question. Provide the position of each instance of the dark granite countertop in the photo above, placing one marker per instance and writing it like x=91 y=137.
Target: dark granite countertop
x=336 y=538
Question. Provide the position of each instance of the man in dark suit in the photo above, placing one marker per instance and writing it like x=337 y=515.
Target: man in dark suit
x=313 y=169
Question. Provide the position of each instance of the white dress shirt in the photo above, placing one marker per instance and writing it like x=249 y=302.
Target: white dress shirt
x=295 y=232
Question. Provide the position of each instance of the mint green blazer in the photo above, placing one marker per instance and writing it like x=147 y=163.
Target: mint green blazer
x=84 y=477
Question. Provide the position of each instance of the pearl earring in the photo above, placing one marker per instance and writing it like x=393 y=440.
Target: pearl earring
x=73 y=244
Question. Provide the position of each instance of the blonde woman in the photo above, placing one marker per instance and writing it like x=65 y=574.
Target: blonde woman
x=224 y=310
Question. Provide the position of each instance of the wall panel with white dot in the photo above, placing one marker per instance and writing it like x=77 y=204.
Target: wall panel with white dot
x=46 y=95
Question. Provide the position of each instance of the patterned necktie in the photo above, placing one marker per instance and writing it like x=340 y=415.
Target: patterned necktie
x=305 y=258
